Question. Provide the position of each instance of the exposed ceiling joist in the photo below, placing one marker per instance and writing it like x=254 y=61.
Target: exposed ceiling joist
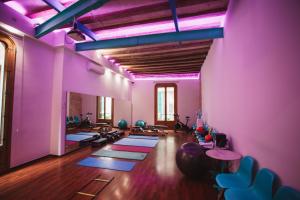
x=55 y=4
x=67 y=15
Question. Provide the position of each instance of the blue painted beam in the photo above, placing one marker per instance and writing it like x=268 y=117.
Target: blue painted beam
x=86 y=31
x=67 y=15
x=172 y=4
x=55 y=5
x=59 y=8
x=202 y=34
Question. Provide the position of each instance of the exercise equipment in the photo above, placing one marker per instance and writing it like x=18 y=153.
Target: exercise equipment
x=137 y=142
x=180 y=125
x=131 y=148
x=105 y=163
x=191 y=160
x=120 y=154
x=122 y=124
x=99 y=142
x=78 y=137
x=85 y=193
x=260 y=189
x=208 y=138
x=140 y=123
x=143 y=137
x=76 y=120
x=86 y=122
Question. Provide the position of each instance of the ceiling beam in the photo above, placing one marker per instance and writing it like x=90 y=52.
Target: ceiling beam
x=162 y=51
x=67 y=15
x=159 y=64
x=163 y=59
x=149 y=48
x=158 y=57
x=162 y=62
x=60 y=7
x=167 y=67
x=171 y=72
x=202 y=34
x=172 y=4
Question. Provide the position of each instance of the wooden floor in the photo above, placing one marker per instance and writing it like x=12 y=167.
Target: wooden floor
x=156 y=177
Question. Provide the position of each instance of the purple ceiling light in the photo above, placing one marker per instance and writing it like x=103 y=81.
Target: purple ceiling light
x=190 y=23
x=190 y=76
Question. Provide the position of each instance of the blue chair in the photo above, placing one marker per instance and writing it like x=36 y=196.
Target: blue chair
x=260 y=190
x=286 y=193
x=242 y=178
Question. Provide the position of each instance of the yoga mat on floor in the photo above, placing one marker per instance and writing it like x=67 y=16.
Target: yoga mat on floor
x=120 y=154
x=131 y=148
x=77 y=138
x=137 y=142
x=105 y=163
x=143 y=137
x=88 y=133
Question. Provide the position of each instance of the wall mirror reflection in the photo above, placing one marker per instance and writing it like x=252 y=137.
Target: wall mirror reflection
x=93 y=120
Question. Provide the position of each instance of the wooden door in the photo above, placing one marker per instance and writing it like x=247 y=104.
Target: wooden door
x=7 y=65
x=165 y=104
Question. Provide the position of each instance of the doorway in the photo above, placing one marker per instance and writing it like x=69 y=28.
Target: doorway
x=165 y=104
x=7 y=70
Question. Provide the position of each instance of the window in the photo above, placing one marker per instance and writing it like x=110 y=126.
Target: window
x=105 y=109
x=165 y=103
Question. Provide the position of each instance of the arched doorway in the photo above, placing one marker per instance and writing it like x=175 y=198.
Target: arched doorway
x=7 y=74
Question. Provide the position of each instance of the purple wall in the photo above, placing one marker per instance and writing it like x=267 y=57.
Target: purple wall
x=32 y=101
x=250 y=84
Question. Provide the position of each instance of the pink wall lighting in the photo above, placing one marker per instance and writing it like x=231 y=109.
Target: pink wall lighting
x=191 y=76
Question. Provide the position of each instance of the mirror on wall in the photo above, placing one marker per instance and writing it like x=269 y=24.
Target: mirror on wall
x=87 y=116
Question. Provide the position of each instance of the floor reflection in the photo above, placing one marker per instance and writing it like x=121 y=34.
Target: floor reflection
x=165 y=157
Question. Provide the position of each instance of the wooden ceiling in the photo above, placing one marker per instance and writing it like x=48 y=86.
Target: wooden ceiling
x=184 y=57
x=165 y=58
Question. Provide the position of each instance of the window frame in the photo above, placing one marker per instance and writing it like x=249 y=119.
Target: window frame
x=99 y=120
x=170 y=124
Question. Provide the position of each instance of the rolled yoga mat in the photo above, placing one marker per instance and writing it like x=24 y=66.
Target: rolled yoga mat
x=105 y=163
x=137 y=142
x=77 y=138
x=131 y=148
x=120 y=154
x=143 y=137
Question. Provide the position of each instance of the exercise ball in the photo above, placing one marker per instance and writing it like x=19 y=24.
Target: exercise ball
x=122 y=124
x=191 y=160
x=140 y=123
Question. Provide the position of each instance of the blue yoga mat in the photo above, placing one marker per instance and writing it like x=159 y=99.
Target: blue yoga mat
x=137 y=142
x=77 y=138
x=120 y=154
x=88 y=133
x=107 y=164
x=143 y=137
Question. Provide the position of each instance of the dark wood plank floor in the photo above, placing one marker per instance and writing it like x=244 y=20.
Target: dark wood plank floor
x=157 y=177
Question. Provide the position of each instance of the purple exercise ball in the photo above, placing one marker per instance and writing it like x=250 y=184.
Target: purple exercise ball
x=191 y=160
